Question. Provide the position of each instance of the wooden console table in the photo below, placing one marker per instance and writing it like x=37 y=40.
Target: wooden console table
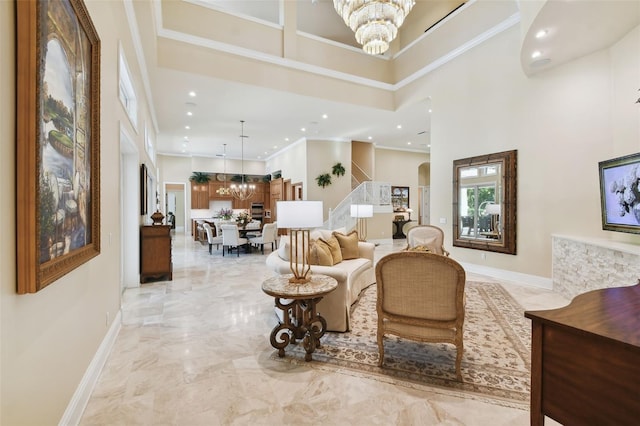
x=399 y=224
x=155 y=252
x=299 y=317
x=585 y=359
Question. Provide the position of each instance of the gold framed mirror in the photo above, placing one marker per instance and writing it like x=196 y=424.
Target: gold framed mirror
x=484 y=202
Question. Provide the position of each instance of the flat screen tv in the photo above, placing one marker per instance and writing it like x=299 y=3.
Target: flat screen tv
x=619 y=193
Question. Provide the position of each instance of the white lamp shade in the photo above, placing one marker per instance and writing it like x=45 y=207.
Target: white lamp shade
x=493 y=209
x=299 y=214
x=361 y=210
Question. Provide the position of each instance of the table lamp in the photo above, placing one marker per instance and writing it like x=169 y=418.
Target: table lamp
x=299 y=217
x=409 y=211
x=362 y=212
x=494 y=210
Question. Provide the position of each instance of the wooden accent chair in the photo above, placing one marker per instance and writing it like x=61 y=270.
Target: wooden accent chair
x=210 y=238
x=429 y=237
x=421 y=297
x=231 y=238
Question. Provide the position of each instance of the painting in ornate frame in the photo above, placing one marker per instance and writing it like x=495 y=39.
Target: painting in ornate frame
x=620 y=193
x=57 y=141
x=400 y=198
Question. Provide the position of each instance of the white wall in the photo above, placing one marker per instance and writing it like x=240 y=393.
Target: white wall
x=562 y=122
x=49 y=338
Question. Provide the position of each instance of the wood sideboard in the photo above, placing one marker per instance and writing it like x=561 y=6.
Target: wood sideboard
x=585 y=359
x=155 y=252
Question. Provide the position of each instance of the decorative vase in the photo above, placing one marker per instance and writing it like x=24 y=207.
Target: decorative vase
x=157 y=217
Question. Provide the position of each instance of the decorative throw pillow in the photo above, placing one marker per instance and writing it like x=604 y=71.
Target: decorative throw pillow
x=284 y=248
x=348 y=244
x=334 y=247
x=421 y=248
x=320 y=254
x=430 y=241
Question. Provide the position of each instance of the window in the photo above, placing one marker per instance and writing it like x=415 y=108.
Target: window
x=149 y=146
x=126 y=91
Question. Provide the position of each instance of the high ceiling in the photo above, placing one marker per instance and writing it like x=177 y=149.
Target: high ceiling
x=275 y=119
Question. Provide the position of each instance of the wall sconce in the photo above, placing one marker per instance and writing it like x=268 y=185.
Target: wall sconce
x=362 y=212
x=299 y=217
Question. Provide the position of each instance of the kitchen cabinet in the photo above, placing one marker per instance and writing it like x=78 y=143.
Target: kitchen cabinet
x=199 y=195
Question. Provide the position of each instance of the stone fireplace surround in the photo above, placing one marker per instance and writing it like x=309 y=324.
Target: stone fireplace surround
x=582 y=264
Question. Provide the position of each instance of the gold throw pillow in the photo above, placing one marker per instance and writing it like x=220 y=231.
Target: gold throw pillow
x=348 y=244
x=421 y=248
x=320 y=254
x=334 y=247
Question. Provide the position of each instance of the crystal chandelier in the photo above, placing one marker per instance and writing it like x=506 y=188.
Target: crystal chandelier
x=375 y=22
x=243 y=191
x=224 y=190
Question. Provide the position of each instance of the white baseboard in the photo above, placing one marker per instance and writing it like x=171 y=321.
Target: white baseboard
x=78 y=403
x=515 y=277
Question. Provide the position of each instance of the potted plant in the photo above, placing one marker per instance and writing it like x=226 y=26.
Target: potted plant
x=324 y=180
x=338 y=170
x=200 y=177
x=225 y=214
x=243 y=219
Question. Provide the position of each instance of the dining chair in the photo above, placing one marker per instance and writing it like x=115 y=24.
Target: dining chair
x=269 y=231
x=210 y=238
x=231 y=238
x=421 y=297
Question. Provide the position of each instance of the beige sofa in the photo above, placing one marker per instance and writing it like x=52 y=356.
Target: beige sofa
x=353 y=275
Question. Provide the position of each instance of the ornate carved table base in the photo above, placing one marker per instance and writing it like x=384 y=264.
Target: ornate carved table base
x=300 y=321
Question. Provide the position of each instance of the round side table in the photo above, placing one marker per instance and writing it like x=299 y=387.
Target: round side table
x=299 y=317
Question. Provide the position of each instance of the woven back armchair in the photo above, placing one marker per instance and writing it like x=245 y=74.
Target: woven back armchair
x=428 y=237
x=421 y=297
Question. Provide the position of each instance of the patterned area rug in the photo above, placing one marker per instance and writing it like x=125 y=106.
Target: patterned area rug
x=497 y=348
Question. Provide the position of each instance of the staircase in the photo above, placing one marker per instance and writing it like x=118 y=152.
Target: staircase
x=376 y=193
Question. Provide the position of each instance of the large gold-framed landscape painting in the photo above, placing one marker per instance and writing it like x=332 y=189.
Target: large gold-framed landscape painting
x=58 y=141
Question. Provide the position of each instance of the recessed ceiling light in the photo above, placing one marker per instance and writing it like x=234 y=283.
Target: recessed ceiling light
x=187 y=127
x=399 y=126
x=189 y=113
x=303 y=129
x=186 y=138
x=409 y=143
x=325 y=116
x=370 y=137
x=429 y=146
x=275 y=147
x=536 y=54
x=286 y=139
x=430 y=110
x=192 y=94
x=542 y=33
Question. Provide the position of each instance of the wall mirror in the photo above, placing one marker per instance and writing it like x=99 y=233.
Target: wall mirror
x=484 y=202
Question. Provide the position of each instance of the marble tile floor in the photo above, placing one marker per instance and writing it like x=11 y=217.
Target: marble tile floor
x=195 y=351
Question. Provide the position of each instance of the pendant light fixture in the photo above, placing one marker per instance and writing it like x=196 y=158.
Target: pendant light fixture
x=243 y=191
x=224 y=190
x=375 y=22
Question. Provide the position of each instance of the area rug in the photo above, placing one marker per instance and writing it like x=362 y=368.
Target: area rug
x=497 y=348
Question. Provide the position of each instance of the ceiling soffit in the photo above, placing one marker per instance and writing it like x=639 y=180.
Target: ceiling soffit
x=263 y=42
